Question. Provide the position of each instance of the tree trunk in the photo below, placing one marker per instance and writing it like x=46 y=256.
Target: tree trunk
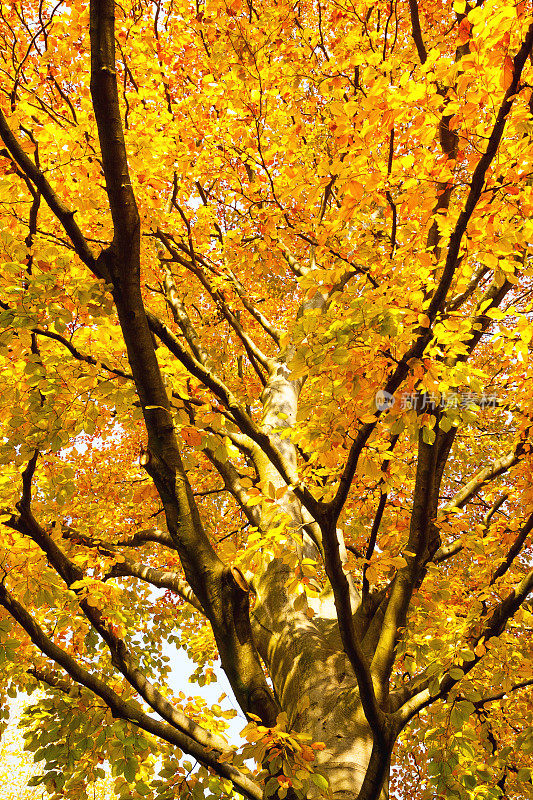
x=312 y=677
x=315 y=684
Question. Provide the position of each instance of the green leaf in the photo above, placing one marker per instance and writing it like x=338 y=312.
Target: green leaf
x=271 y=787
x=456 y=673
x=130 y=770
x=319 y=780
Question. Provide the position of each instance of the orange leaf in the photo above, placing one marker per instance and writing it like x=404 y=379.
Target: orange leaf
x=506 y=77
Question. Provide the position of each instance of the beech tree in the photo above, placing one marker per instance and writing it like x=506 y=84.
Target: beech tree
x=266 y=305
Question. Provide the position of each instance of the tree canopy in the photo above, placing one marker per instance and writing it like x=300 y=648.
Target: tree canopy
x=266 y=292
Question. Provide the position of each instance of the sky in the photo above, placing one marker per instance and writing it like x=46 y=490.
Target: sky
x=182 y=667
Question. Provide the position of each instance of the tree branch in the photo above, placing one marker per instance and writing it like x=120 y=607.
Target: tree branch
x=121 y=658
x=149 y=535
x=478 y=178
x=480 y=321
x=56 y=205
x=104 y=94
x=483 y=477
x=223 y=599
x=268 y=327
x=232 y=482
x=255 y=354
x=498 y=503
x=182 y=319
x=252 y=309
x=496 y=622
x=122 y=709
x=163 y=579
x=79 y=355
x=425 y=335
x=417 y=32
x=345 y=615
x=53 y=680
x=450 y=550
x=377 y=519
x=447 y=551
x=492 y=698
x=421 y=545
x=515 y=548
x=457 y=301
x=242 y=419
x=297 y=270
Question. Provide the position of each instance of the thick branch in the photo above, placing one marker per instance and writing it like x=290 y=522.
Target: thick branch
x=104 y=93
x=242 y=419
x=297 y=270
x=457 y=301
x=447 y=551
x=163 y=579
x=182 y=319
x=138 y=538
x=476 y=187
x=224 y=601
x=480 y=323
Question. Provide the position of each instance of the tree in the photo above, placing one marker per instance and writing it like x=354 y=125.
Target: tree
x=265 y=302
